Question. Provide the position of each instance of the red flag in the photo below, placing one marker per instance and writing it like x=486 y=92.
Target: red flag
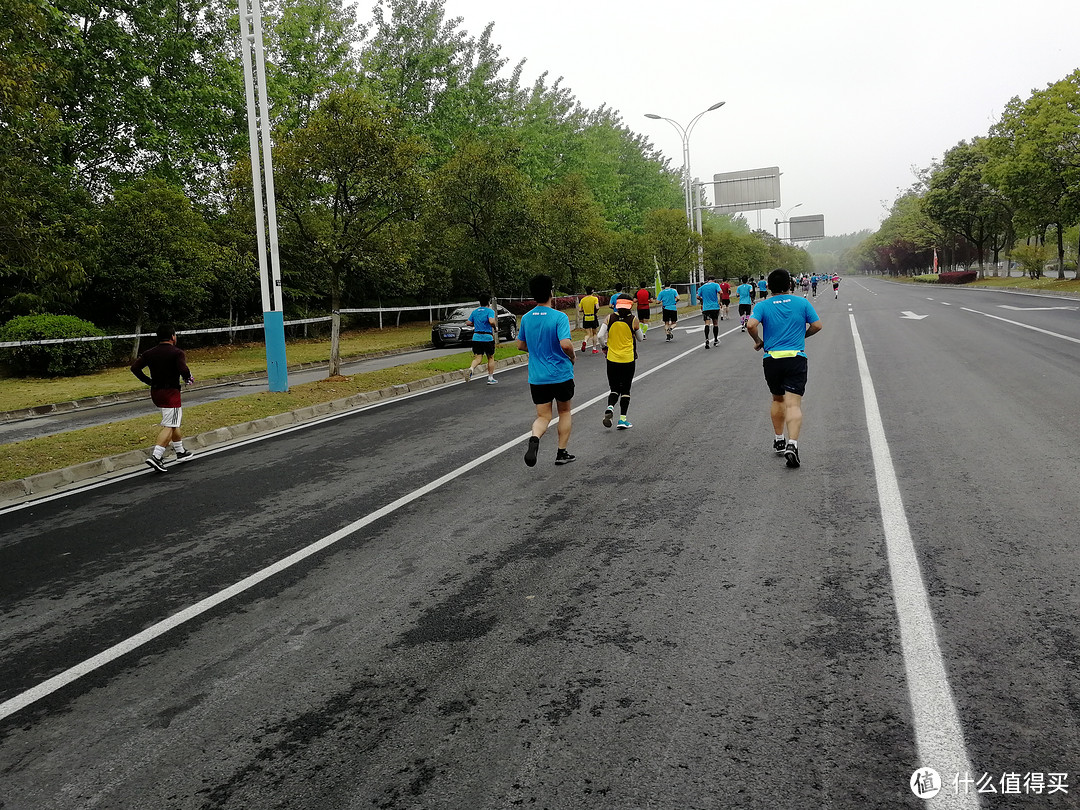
x=935 y=260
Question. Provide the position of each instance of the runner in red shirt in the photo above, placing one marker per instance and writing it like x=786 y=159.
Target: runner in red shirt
x=725 y=298
x=168 y=366
x=644 y=302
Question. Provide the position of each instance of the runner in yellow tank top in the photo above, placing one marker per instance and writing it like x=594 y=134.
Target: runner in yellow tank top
x=589 y=306
x=619 y=336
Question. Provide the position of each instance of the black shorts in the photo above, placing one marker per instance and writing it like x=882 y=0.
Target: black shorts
x=710 y=314
x=643 y=314
x=671 y=316
x=560 y=392
x=590 y=323
x=785 y=374
x=484 y=347
x=745 y=309
x=725 y=302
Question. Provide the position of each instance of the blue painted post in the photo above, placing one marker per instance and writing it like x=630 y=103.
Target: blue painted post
x=276 y=365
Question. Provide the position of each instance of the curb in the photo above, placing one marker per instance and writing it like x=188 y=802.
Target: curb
x=131 y=396
x=24 y=489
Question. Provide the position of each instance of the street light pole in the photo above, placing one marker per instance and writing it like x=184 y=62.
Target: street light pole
x=688 y=194
x=785 y=220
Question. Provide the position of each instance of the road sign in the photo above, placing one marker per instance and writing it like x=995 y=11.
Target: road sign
x=748 y=190
x=808 y=227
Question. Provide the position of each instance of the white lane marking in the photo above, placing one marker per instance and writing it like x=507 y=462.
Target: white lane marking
x=938 y=735
x=1035 y=309
x=1024 y=325
x=946 y=304
x=47 y=687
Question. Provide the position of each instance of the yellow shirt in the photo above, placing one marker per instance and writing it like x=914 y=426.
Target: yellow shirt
x=620 y=341
x=589 y=305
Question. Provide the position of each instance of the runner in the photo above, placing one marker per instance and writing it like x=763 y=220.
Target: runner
x=545 y=334
x=709 y=297
x=805 y=284
x=836 y=285
x=168 y=365
x=763 y=289
x=813 y=284
x=644 y=303
x=725 y=298
x=745 y=291
x=615 y=296
x=786 y=322
x=590 y=320
x=483 y=341
x=619 y=336
x=669 y=303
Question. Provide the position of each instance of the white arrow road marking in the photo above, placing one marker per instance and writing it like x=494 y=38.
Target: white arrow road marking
x=1034 y=309
x=911 y=316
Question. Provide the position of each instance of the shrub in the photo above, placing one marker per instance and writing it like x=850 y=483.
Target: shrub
x=964 y=277
x=521 y=307
x=53 y=359
x=926 y=278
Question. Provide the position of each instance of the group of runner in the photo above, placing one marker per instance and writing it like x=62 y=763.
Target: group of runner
x=785 y=320
x=808 y=283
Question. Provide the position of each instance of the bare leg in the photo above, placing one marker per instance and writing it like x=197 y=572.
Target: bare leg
x=776 y=412
x=543 y=419
x=565 y=422
x=793 y=414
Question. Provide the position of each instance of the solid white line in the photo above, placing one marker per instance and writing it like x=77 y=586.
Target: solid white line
x=1023 y=325
x=938 y=735
x=36 y=693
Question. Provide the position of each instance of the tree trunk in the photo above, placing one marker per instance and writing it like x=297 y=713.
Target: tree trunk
x=135 y=346
x=1061 y=251
x=335 y=336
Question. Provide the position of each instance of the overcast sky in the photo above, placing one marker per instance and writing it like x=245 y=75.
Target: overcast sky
x=844 y=96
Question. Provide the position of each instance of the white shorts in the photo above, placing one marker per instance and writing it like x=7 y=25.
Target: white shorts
x=170 y=417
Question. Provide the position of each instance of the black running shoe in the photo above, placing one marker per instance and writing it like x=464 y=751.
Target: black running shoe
x=184 y=454
x=156 y=463
x=530 y=454
x=608 y=415
x=716 y=343
x=792 y=455
x=706 y=344
x=563 y=457
x=779 y=446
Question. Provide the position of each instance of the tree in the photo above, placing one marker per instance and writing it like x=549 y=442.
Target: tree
x=350 y=187
x=672 y=244
x=157 y=256
x=1035 y=159
x=571 y=234
x=482 y=207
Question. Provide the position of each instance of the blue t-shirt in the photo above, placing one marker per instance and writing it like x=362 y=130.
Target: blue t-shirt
x=710 y=296
x=479 y=319
x=813 y=279
x=743 y=291
x=668 y=298
x=763 y=285
x=783 y=321
x=542 y=330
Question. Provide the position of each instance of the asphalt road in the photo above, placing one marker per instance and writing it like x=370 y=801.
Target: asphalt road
x=61 y=422
x=676 y=620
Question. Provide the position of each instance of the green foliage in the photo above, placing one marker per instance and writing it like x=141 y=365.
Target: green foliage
x=55 y=359
x=1030 y=258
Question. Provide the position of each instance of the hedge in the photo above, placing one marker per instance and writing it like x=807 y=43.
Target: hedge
x=962 y=277
x=54 y=359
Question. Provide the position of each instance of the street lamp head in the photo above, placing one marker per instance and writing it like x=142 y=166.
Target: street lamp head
x=652 y=115
x=716 y=106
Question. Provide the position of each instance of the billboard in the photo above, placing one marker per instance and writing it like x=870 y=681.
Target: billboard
x=809 y=227
x=748 y=190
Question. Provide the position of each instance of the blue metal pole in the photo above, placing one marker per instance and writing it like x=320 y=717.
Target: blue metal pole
x=276 y=366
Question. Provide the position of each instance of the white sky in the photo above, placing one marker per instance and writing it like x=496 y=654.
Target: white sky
x=845 y=96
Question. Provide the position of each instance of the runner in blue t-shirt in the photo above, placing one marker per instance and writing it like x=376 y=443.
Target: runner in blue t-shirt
x=483 y=340
x=745 y=291
x=545 y=334
x=669 y=303
x=709 y=297
x=813 y=284
x=763 y=288
x=786 y=321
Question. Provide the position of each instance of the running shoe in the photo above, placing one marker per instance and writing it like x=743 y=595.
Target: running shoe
x=716 y=343
x=530 y=454
x=468 y=375
x=608 y=416
x=706 y=344
x=779 y=446
x=596 y=351
x=792 y=455
x=492 y=381
x=157 y=463
x=624 y=424
x=184 y=454
x=563 y=457
x=583 y=345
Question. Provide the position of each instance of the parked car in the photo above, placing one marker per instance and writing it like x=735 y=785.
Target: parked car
x=456 y=328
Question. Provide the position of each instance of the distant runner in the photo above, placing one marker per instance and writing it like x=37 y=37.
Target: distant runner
x=483 y=342
x=763 y=288
x=669 y=303
x=168 y=365
x=709 y=297
x=745 y=291
x=590 y=318
x=836 y=285
x=644 y=303
x=725 y=298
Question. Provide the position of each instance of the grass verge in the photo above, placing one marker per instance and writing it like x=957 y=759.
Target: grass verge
x=22 y=459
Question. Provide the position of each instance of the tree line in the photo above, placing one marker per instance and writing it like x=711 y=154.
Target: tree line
x=1014 y=192
x=412 y=164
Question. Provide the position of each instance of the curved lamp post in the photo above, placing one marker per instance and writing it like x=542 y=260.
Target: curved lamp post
x=684 y=133
x=785 y=220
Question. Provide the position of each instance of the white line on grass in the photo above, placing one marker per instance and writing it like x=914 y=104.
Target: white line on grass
x=938 y=735
x=46 y=688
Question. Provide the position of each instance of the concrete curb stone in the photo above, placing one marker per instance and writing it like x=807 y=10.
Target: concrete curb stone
x=12 y=492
